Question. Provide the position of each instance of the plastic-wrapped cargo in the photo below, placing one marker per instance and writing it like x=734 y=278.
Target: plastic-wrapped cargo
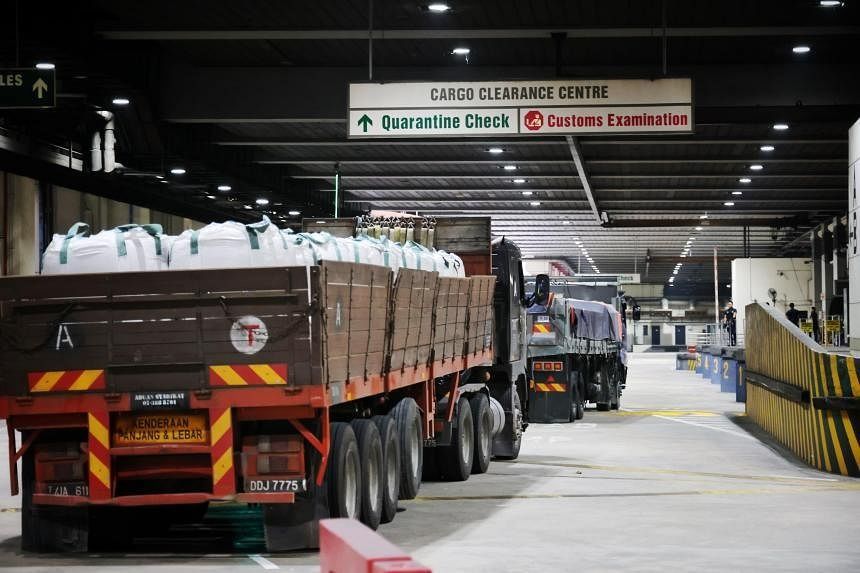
x=128 y=248
x=230 y=245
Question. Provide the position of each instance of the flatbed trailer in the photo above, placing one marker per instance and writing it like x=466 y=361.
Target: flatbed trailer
x=311 y=391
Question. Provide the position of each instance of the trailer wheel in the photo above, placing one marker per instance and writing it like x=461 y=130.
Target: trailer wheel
x=411 y=438
x=344 y=473
x=515 y=430
x=579 y=407
x=46 y=529
x=455 y=461
x=483 y=420
x=372 y=471
x=390 y=465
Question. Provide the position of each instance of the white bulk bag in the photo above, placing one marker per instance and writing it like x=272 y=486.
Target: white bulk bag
x=300 y=250
x=229 y=245
x=419 y=257
x=129 y=248
x=451 y=264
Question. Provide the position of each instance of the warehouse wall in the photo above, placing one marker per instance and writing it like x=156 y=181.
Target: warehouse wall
x=752 y=278
x=21 y=225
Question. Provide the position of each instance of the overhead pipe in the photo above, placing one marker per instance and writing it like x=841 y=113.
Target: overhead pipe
x=102 y=148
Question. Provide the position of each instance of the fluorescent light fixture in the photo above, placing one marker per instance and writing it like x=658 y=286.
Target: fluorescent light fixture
x=461 y=51
x=178 y=171
x=729 y=204
x=224 y=188
x=45 y=66
x=698 y=228
x=737 y=192
x=495 y=150
x=159 y=177
x=438 y=7
x=535 y=203
x=801 y=49
x=509 y=167
x=756 y=167
x=121 y=101
x=262 y=201
x=248 y=207
x=518 y=181
x=767 y=148
x=210 y=196
x=294 y=213
x=830 y=3
x=527 y=193
x=565 y=222
x=780 y=126
x=745 y=180
x=683 y=255
x=164 y=181
x=703 y=216
x=675 y=272
x=728 y=286
x=320 y=222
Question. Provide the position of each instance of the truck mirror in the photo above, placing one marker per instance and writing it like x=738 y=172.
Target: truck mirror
x=637 y=312
x=541 y=294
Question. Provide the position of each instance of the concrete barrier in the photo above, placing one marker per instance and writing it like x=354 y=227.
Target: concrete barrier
x=805 y=397
x=716 y=371
x=686 y=361
x=348 y=546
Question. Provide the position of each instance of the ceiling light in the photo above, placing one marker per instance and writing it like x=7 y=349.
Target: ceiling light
x=767 y=148
x=675 y=272
x=224 y=188
x=495 y=150
x=248 y=207
x=756 y=167
x=45 y=66
x=534 y=203
x=159 y=177
x=509 y=167
x=683 y=255
x=801 y=49
x=262 y=201
x=698 y=228
x=518 y=181
x=178 y=171
x=438 y=7
x=120 y=101
x=703 y=216
x=527 y=193
x=461 y=51
x=320 y=222
x=164 y=181
x=565 y=222
x=294 y=213
x=737 y=192
x=830 y=3
x=728 y=286
x=745 y=180
x=729 y=204
x=780 y=126
x=210 y=196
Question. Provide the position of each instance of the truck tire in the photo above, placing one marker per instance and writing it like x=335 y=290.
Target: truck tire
x=483 y=420
x=390 y=466
x=455 y=461
x=511 y=396
x=579 y=406
x=344 y=473
x=47 y=529
x=411 y=437
x=370 y=451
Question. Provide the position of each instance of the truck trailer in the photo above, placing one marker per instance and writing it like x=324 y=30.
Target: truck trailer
x=315 y=391
x=576 y=355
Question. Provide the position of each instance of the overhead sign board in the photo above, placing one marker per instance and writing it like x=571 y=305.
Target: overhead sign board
x=552 y=107
x=27 y=88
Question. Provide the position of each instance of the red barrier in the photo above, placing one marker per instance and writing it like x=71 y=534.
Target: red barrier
x=348 y=546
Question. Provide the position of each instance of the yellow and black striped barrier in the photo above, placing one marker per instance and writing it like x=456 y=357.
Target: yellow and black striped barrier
x=804 y=396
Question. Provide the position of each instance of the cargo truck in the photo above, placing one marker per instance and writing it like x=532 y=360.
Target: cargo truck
x=310 y=391
x=576 y=355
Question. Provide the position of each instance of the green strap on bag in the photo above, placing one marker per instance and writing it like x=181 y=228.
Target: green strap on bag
x=254 y=230
x=77 y=230
x=154 y=230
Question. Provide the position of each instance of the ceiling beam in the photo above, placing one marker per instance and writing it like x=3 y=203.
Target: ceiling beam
x=526 y=187
x=512 y=174
x=481 y=33
x=519 y=161
x=512 y=141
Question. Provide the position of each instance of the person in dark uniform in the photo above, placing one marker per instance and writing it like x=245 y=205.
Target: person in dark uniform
x=813 y=317
x=730 y=318
x=793 y=315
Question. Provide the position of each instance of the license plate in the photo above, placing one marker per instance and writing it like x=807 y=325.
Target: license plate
x=160 y=428
x=275 y=485
x=79 y=489
x=543 y=318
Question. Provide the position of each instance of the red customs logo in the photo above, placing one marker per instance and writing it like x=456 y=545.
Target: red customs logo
x=533 y=120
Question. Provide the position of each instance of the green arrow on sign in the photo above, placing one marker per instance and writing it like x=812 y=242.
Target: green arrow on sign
x=364 y=121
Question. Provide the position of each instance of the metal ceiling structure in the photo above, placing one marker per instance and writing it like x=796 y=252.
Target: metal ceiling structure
x=253 y=94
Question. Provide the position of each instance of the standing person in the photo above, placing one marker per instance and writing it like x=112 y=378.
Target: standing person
x=730 y=317
x=793 y=315
x=813 y=316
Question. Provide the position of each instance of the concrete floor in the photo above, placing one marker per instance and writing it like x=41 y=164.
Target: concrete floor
x=670 y=482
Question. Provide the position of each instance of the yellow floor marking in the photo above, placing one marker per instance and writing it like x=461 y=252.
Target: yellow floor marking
x=666 y=413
